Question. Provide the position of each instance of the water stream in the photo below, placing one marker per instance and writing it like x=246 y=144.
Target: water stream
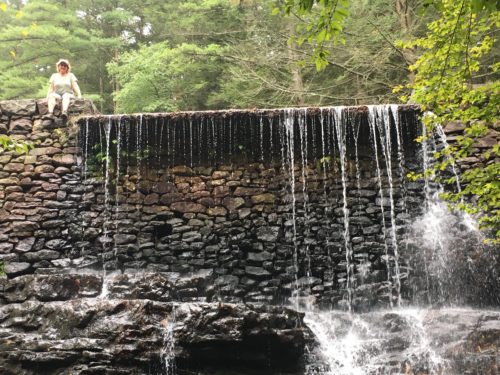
x=370 y=249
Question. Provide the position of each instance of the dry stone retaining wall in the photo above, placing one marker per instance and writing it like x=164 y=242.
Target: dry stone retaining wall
x=36 y=194
x=234 y=219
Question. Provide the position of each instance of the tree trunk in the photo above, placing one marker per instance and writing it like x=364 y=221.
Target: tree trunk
x=297 y=82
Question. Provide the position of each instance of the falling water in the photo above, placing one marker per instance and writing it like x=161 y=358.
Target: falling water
x=372 y=115
x=290 y=140
x=362 y=344
x=305 y=195
x=138 y=149
x=271 y=148
x=341 y=144
x=261 y=137
x=442 y=136
x=191 y=142
x=350 y=343
x=356 y=130
x=160 y=142
x=167 y=353
x=117 y=177
x=106 y=212
x=385 y=137
x=86 y=148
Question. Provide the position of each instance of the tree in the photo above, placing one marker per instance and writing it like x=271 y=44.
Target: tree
x=163 y=78
x=35 y=35
x=456 y=77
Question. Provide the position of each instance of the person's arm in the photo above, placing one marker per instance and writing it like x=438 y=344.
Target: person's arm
x=75 y=87
x=51 y=86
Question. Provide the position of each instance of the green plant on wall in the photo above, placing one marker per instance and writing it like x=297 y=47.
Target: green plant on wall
x=456 y=80
x=19 y=147
x=62 y=135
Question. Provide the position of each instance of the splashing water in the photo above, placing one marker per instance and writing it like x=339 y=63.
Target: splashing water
x=384 y=342
x=167 y=353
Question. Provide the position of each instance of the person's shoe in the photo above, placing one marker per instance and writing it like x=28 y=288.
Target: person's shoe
x=64 y=115
x=48 y=116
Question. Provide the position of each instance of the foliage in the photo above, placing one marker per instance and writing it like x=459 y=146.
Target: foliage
x=34 y=36
x=19 y=147
x=456 y=77
x=330 y=16
x=162 y=78
x=259 y=56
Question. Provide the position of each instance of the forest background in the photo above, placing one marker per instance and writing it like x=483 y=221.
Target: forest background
x=157 y=55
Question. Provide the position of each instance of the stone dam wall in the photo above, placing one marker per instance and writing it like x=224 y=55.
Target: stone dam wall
x=184 y=243
x=261 y=205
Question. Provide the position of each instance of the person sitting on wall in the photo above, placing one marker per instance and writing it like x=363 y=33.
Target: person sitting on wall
x=63 y=86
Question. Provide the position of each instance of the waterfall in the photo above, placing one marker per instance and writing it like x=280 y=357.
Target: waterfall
x=106 y=213
x=361 y=344
x=290 y=159
x=167 y=353
x=340 y=130
x=308 y=202
x=372 y=121
x=316 y=148
x=385 y=135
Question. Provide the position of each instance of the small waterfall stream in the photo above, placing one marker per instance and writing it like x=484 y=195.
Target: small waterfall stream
x=334 y=161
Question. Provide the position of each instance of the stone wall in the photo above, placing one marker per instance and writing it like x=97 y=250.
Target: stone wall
x=252 y=200
x=36 y=196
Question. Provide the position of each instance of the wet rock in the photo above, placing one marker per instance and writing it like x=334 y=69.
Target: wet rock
x=151 y=199
x=14 y=167
x=191 y=236
x=221 y=191
x=264 y=198
x=25 y=244
x=13 y=269
x=186 y=207
x=9 y=181
x=44 y=168
x=45 y=151
x=42 y=255
x=247 y=191
x=217 y=211
x=260 y=257
x=268 y=234
x=6 y=247
x=164 y=187
x=22 y=125
x=64 y=159
x=24 y=226
x=120 y=239
x=106 y=331
x=227 y=280
x=233 y=204
x=257 y=271
x=182 y=170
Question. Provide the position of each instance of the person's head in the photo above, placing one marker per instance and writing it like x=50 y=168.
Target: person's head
x=63 y=66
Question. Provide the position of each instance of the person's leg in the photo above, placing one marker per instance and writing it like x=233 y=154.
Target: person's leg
x=65 y=102
x=52 y=99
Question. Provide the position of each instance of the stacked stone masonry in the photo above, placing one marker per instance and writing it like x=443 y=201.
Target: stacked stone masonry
x=238 y=219
x=175 y=202
x=35 y=203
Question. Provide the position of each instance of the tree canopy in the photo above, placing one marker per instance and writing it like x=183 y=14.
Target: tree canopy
x=258 y=55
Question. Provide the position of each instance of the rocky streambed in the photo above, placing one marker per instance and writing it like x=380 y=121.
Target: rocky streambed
x=75 y=324
x=131 y=324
